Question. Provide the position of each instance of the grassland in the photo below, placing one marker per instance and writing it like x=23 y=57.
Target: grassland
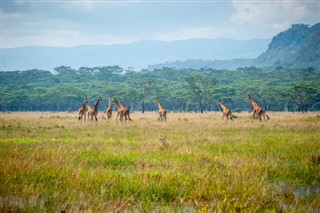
x=191 y=163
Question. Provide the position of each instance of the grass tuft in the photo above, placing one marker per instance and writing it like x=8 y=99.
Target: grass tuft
x=192 y=163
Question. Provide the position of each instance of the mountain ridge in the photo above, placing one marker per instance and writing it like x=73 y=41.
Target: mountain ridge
x=138 y=54
x=298 y=46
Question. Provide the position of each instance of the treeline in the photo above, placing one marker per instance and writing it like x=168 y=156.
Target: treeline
x=178 y=89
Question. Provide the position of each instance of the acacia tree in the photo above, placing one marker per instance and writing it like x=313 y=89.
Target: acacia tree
x=146 y=89
x=303 y=96
x=200 y=87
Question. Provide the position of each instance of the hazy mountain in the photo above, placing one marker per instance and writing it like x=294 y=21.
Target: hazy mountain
x=198 y=64
x=138 y=55
x=299 y=46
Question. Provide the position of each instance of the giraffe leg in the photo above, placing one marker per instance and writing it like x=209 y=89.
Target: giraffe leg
x=125 y=117
x=267 y=116
x=121 y=117
x=230 y=115
x=129 y=116
x=165 y=116
x=264 y=117
x=79 y=119
x=88 y=117
x=254 y=114
x=117 y=117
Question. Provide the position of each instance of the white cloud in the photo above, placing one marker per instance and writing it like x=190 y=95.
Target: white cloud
x=265 y=19
x=68 y=23
x=278 y=14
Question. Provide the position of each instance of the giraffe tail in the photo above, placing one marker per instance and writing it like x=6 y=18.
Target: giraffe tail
x=233 y=116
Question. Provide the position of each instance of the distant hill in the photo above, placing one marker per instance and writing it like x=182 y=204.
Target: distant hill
x=138 y=54
x=198 y=64
x=298 y=46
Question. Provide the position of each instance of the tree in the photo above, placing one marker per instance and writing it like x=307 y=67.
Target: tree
x=304 y=96
x=201 y=87
x=63 y=70
x=145 y=92
x=108 y=72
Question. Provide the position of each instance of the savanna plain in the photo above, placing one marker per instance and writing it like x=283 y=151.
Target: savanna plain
x=192 y=163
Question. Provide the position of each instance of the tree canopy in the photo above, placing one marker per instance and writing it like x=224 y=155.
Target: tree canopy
x=281 y=89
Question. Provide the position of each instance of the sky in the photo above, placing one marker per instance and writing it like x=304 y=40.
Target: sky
x=72 y=23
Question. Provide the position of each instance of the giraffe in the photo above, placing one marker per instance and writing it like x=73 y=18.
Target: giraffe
x=257 y=110
x=82 y=110
x=226 y=112
x=162 y=111
x=122 y=111
x=109 y=109
x=93 y=112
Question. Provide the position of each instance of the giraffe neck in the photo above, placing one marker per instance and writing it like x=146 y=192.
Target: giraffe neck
x=159 y=106
x=254 y=104
x=224 y=108
x=84 y=105
x=109 y=103
x=97 y=104
x=118 y=104
x=87 y=103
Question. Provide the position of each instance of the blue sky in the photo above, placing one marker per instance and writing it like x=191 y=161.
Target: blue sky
x=71 y=23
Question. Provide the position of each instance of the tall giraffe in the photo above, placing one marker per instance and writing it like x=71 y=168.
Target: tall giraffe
x=122 y=111
x=257 y=110
x=162 y=111
x=93 y=112
x=82 y=110
x=226 y=112
x=109 y=109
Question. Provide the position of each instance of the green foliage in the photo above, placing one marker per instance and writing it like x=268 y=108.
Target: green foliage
x=201 y=87
x=178 y=89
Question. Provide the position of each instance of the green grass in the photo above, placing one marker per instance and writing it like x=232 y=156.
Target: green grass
x=193 y=162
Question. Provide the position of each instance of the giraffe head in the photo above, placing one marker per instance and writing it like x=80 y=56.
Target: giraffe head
x=114 y=100
x=249 y=97
x=219 y=102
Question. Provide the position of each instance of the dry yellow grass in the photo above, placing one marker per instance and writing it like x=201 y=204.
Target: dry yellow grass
x=192 y=162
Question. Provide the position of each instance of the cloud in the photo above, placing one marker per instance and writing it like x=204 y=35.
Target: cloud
x=275 y=14
x=68 y=23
